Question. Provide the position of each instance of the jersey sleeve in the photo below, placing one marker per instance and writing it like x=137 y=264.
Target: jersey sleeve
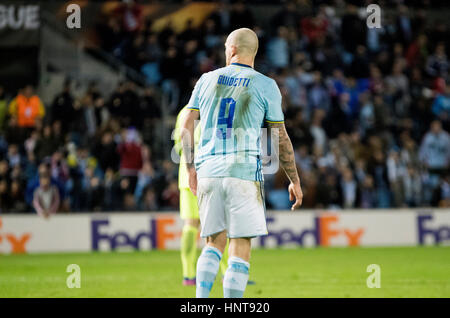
x=194 y=101
x=274 y=113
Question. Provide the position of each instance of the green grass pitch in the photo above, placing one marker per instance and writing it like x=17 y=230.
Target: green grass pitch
x=310 y=272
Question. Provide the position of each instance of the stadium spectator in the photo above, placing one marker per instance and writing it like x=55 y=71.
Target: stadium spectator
x=378 y=170
x=369 y=106
x=130 y=14
x=16 y=194
x=110 y=200
x=46 y=197
x=352 y=29
x=441 y=107
x=329 y=193
x=396 y=173
x=241 y=16
x=149 y=201
x=349 y=189
x=62 y=107
x=27 y=108
x=404 y=24
x=412 y=187
x=145 y=178
x=130 y=152
x=442 y=193
x=278 y=49
x=437 y=64
x=315 y=27
x=153 y=54
x=111 y=35
x=288 y=16
x=105 y=152
x=318 y=97
x=417 y=51
x=317 y=131
x=46 y=145
x=13 y=156
x=368 y=196
x=92 y=190
x=34 y=182
x=435 y=149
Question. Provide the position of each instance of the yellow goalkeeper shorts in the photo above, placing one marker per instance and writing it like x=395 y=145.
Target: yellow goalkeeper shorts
x=188 y=205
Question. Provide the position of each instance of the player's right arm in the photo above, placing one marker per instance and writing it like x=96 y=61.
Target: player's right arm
x=287 y=161
x=187 y=146
x=187 y=135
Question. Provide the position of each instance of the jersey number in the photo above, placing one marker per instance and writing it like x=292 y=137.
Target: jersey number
x=225 y=123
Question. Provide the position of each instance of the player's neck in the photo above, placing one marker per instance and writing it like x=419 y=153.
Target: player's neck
x=240 y=60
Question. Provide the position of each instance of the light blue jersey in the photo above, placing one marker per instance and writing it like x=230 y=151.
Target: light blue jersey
x=234 y=101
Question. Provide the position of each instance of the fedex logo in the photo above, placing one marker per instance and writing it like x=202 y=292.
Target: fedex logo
x=157 y=234
x=324 y=229
x=16 y=243
x=424 y=230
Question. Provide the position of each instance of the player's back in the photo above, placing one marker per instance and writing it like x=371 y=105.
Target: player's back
x=233 y=102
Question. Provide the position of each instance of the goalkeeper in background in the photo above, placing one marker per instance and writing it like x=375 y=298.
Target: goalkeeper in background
x=189 y=214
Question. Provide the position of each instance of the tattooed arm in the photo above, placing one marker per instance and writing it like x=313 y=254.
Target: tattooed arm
x=187 y=146
x=287 y=162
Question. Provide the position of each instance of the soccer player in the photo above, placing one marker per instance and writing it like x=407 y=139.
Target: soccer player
x=232 y=104
x=189 y=213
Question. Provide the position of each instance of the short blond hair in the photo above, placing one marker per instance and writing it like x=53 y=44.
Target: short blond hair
x=245 y=40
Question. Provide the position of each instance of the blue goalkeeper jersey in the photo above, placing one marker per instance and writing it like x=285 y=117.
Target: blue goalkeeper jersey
x=233 y=101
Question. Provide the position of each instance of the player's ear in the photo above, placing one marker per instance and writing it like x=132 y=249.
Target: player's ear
x=233 y=50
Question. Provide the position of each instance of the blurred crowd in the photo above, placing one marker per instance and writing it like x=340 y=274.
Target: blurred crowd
x=367 y=110
x=87 y=153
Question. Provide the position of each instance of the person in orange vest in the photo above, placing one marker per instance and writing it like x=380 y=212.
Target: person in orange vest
x=27 y=107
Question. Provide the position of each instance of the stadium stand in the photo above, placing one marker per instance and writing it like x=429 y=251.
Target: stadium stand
x=368 y=110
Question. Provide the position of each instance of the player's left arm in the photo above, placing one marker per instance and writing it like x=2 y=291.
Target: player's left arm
x=274 y=117
x=187 y=146
x=287 y=161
